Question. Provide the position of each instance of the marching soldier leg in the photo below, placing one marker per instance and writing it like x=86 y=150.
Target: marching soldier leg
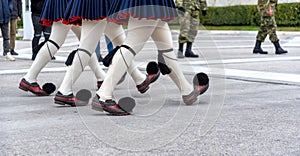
x=169 y=65
x=90 y=34
x=273 y=36
x=261 y=36
x=194 y=24
x=117 y=35
x=49 y=49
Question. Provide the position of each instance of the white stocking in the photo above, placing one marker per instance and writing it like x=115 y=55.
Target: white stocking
x=163 y=40
x=96 y=68
x=94 y=65
x=77 y=31
x=58 y=35
x=117 y=35
x=139 y=31
x=90 y=34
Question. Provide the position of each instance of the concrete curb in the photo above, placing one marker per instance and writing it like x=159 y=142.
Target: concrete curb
x=221 y=32
x=233 y=32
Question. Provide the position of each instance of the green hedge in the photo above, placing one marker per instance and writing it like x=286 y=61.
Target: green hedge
x=20 y=24
x=288 y=14
x=234 y=15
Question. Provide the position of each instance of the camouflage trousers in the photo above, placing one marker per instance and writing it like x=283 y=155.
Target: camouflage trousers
x=189 y=23
x=267 y=26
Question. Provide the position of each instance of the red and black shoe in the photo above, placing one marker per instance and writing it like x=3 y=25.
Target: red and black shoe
x=109 y=106
x=142 y=88
x=65 y=99
x=32 y=87
x=192 y=97
x=201 y=84
x=81 y=99
x=153 y=74
x=99 y=84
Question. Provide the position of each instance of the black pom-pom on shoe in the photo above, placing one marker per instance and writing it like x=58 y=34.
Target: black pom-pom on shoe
x=200 y=79
x=152 y=68
x=201 y=84
x=127 y=104
x=83 y=95
x=49 y=88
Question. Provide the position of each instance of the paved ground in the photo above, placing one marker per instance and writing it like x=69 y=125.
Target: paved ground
x=251 y=108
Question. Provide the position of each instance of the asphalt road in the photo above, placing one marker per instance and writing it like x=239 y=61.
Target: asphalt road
x=251 y=107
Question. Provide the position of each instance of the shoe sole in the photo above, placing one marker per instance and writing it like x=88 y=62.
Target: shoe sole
x=191 y=102
x=281 y=53
x=26 y=90
x=98 y=107
x=126 y=104
x=260 y=53
x=110 y=111
x=59 y=102
x=145 y=89
x=71 y=103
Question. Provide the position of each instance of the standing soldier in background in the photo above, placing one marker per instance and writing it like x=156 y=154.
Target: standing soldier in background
x=267 y=10
x=36 y=10
x=15 y=16
x=6 y=6
x=189 y=22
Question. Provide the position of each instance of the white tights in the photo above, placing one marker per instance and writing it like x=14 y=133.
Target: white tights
x=139 y=32
x=117 y=35
x=90 y=34
x=58 y=35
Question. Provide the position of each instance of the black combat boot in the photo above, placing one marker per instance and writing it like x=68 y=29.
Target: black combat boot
x=180 y=51
x=278 y=49
x=189 y=52
x=257 y=49
x=13 y=52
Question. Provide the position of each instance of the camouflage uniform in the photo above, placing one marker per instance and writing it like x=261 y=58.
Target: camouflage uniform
x=267 y=9
x=189 y=20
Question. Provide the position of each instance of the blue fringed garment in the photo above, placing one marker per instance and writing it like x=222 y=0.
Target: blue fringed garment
x=86 y=10
x=53 y=11
x=121 y=10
